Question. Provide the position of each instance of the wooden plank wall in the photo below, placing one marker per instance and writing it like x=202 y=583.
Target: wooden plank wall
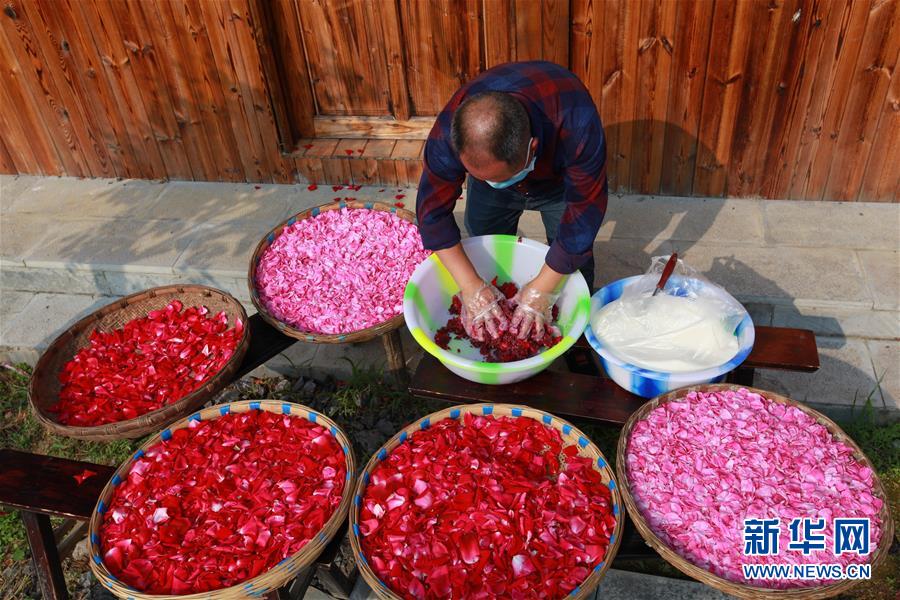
x=788 y=99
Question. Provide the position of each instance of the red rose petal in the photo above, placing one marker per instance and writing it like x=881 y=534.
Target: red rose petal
x=312 y=187
x=399 y=196
x=147 y=363
x=201 y=512
x=495 y=503
x=87 y=473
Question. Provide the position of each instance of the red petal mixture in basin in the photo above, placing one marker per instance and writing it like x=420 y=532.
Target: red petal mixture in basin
x=507 y=347
x=341 y=271
x=485 y=508
x=699 y=466
x=221 y=501
x=149 y=363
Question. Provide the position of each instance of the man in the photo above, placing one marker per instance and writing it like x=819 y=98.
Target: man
x=529 y=137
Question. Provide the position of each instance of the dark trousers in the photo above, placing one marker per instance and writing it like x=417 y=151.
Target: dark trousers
x=490 y=211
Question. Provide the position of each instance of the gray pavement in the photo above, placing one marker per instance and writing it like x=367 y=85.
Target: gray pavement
x=70 y=245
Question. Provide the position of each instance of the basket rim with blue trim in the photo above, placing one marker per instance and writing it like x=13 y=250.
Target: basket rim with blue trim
x=361 y=335
x=720 y=583
x=570 y=434
x=275 y=577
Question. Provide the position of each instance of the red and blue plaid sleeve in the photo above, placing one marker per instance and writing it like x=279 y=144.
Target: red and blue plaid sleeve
x=440 y=186
x=586 y=191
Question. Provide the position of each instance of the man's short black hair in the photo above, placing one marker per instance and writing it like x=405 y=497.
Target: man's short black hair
x=495 y=122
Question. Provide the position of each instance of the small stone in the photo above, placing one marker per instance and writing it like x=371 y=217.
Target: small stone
x=308 y=388
x=282 y=386
x=369 y=441
x=385 y=427
x=298 y=384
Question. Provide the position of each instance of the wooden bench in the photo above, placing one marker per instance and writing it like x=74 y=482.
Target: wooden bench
x=585 y=393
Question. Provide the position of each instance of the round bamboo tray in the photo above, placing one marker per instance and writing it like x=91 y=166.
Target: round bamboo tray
x=275 y=577
x=704 y=576
x=363 y=335
x=44 y=387
x=570 y=436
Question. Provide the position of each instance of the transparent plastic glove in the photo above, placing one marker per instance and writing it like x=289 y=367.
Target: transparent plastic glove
x=481 y=312
x=534 y=310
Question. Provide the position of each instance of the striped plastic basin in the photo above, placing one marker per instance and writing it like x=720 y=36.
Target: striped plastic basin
x=650 y=384
x=430 y=290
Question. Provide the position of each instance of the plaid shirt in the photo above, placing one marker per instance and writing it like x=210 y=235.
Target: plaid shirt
x=571 y=152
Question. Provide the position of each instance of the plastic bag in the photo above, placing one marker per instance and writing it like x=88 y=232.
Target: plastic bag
x=689 y=325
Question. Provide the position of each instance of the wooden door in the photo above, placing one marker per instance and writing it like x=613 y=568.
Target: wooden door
x=385 y=68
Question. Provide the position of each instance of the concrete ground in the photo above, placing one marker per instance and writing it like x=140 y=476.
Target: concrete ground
x=68 y=246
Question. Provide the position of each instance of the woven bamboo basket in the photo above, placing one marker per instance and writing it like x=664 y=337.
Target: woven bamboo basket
x=275 y=577
x=44 y=388
x=362 y=335
x=570 y=436
x=704 y=576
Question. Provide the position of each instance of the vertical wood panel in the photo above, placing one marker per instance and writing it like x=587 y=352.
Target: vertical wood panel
x=291 y=63
x=868 y=88
x=443 y=45
x=68 y=94
x=347 y=63
x=151 y=88
x=607 y=89
x=116 y=68
x=499 y=32
x=400 y=105
x=798 y=79
x=165 y=42
x=555 y=31
x=689 y=60
x=758 y=93
x=7 y=164
x=721 y=95
x=29 y=146
x=80 y=63
x=654 y=63
x=626 y=95
x=261 y=118
x=188 y=23
x=828 y=124
x=881 y=181
x=36 y=93
x=529 y=38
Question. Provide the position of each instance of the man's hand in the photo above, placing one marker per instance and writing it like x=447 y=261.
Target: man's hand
x=481 y=311
x=535 y=302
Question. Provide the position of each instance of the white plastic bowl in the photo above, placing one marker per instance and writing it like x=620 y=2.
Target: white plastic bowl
x=430 y=290
x=648 y=383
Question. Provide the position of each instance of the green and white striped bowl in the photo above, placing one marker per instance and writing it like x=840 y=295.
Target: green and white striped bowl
x=430 y=290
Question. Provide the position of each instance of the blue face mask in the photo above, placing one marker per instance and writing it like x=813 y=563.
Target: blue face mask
x=529 y=167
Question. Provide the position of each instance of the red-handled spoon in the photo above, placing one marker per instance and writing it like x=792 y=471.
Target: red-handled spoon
x=667 y=272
